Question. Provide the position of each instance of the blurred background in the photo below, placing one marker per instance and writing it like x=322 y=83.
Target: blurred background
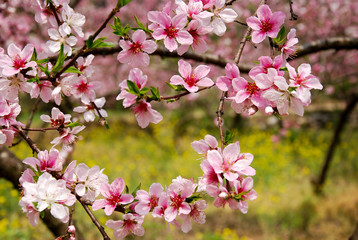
x=289 y=154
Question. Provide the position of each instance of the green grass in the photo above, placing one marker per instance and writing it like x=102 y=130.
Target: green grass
x=285 y=208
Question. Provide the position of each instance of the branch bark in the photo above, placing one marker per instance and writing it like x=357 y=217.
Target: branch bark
x=334 y=143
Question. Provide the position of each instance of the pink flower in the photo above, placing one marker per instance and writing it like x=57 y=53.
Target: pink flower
x=46 y=161
x=224 y=83
x=136 y=76
x=43 y=89
x=192 y=80
x=6 y=136
x=177 y=193
x=271 y=79
x=145 y=114
x=113 y=197
x=85 y=90
x=16 y=60
x=89 y=181
x=135 y=52
x=196 y=213
x=171 y=30
x=202 y=146
x=61 y=36
x=48 y=192
x=8 y=117
x=196 y=30
x=266 y=63
x=288 y=49
x=68 y=137
x=57 y=118
x=221 y=16
x=132 y=223
x=90 y=109
x=266 y=23
x=85 y=65
x=304 y=81
x=230 y=163
x=148 y=201
x=243 y=192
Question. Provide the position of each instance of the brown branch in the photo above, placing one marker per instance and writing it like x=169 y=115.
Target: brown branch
x=336 y=43
x=178 y=96
x=29 y=141
x=344 y=118
x=93 y=218
x=54 y=10
x=219 y=114
x=84 y=48
x=293 y=15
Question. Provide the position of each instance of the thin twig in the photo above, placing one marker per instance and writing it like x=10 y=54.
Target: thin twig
x=219 y=114
x=83 y=49
x=93 y=218
x=29 y=141
x=39 y=129
x=178 y=96
x=294 y=16
x=53 y=9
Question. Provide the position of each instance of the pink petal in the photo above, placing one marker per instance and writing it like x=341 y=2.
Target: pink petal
x=184 y=68
x=264 y=12
x=139 y=36
x=258 y=36
x=149 y=46
x=215 y=160
x=99 y=204
x=184 y=37
x=201 y=71
x=170 y=44
x=254 y=23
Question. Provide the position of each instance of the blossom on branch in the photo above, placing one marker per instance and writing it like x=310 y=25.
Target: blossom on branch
x=265 y=24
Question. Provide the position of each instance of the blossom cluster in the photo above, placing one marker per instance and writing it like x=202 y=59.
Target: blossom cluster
x=183 y=25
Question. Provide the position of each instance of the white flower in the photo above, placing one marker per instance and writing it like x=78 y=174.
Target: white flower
x=61 y=36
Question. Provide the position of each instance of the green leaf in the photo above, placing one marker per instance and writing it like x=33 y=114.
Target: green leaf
x=118 y=28
x=89 y=42
x=155 y=92
x=127 y=189
x=144 y=90
x=45 y=60
x=122 y=3
x=276 y=114
x=134 y=193
x=133 y=87
x=75 y=124
x=256 y=62
x=176 y=87
x=280 y=36
x=192 y=198
x=72 y=69
x=290 y=89
x=98 y=43
x=284 y=69
x=229 y=137
x=44 y=69
x=139 y=23
x=35 y=79
x=60 y=61
x=34 y=55
x=42 y=214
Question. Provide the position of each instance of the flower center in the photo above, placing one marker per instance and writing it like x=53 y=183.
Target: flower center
x=171 y=31
x=266 y=25
x=177 y=200
x=191 y=80
x=82 y=87
x=18 y=62
x=252 y=88
x=136 y=48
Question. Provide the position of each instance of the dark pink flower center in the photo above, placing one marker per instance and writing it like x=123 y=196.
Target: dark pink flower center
x=18 y=62
x=252 y=88
x=191 y=80
x=82 y=87
x=299 y=80
x=266 y=25
x=113 y=199
x=136 y=48
x=153 y=202
x=177 y=201
x=171 y=31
